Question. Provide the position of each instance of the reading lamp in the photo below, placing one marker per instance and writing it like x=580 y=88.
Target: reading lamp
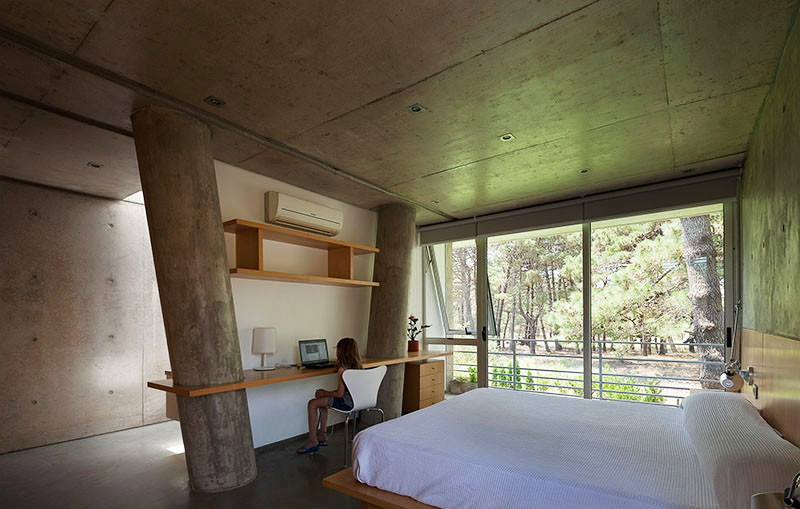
x=733 y=378
x=264 y=342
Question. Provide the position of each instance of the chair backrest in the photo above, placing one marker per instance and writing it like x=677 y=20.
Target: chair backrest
x=363 y=385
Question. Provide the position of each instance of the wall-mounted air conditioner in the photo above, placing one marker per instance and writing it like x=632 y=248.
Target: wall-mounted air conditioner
x=286 y=210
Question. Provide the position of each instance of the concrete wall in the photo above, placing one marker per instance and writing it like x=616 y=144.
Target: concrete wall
x=80 y=320
x=770 y=206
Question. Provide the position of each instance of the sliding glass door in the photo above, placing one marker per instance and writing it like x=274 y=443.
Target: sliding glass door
x=514 y=309
x=535 y=283
x=658 y=287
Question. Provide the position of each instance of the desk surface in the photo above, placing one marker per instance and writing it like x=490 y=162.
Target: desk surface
x=254 y=378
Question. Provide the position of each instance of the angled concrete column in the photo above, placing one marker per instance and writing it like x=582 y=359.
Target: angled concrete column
x=183 y=215
x=389 y=303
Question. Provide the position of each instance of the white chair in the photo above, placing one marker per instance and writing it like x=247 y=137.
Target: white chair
x=363 y=385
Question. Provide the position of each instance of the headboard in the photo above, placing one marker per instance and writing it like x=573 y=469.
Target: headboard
x=776 y=360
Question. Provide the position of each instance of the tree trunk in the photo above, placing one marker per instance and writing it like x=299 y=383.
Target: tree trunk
x=704 y=293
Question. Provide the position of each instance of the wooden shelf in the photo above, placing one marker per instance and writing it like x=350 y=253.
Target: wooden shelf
x=254 y=378
x=298 y=278
x=250 y=238
x=287 y=236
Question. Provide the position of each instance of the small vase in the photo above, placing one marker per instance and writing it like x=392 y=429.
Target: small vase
x=413 y=346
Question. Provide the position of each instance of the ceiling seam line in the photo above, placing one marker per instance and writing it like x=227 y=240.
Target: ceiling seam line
x=449 y=67
x=203 y=115
x=666 y=84
x=65 y=113
x=91 y=29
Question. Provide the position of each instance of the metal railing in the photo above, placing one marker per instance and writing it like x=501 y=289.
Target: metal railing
x=607 y=382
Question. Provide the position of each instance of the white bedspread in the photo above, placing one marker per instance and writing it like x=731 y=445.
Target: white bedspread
x=497 y=448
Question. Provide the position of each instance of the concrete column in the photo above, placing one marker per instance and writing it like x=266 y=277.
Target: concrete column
x=389 y=303
x=182 y=204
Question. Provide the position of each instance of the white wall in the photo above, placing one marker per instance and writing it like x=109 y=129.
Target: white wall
x=297 y=310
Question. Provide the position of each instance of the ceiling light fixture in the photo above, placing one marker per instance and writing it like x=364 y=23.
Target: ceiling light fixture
x=214 y=101
x=584 y=171
x=416 y=108
x=435 y=202
x=507 y=137
x=93 y=164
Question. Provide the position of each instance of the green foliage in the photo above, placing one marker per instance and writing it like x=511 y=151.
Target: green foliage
x=502 y=376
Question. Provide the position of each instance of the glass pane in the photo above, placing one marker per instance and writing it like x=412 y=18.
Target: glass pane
x=461 y=370
x=450 y=286
x=657 y=305
x=535 y=281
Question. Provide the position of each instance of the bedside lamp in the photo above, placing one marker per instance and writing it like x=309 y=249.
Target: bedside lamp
x=264 y=342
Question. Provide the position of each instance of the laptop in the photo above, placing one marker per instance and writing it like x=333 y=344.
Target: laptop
x=314 y=354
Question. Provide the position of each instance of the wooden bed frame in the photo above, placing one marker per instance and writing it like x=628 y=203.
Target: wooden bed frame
x=776 y=363
x=344 y=482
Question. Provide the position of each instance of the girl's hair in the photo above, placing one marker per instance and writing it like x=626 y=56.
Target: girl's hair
x=347 y=355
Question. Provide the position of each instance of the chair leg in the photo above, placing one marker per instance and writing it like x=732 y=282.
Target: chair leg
x=346 y=438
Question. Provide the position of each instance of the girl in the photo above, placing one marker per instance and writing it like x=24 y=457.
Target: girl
x=347 y=357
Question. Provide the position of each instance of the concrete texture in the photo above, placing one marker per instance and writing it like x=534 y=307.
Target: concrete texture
x=185 y=224
x=80 y=324
x=770 y=206
x=389 y=303
x=136 y=469
x=559 y=74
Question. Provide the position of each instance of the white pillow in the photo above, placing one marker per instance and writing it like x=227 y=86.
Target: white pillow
x=739 y=452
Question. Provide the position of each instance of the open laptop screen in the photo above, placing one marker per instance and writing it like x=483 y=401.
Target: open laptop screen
x=313 y=351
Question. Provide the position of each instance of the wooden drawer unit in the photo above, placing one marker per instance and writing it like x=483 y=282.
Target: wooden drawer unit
x=424 y=385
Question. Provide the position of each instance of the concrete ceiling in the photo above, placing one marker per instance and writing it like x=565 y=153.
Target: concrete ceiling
x=638 y=91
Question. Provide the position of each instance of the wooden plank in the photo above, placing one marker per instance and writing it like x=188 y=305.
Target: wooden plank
x=779 y=385
x=298 y=278
x=280 y=234
x=340 y=262
x=254 y=378
x=249 y=249
x=344 y=482
x=775 y=360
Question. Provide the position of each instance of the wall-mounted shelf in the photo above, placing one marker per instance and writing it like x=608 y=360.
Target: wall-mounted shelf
x=250 y=254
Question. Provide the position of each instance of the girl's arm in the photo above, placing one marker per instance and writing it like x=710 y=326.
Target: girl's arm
x=338 y=393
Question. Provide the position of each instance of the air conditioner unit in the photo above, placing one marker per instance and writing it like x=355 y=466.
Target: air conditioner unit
x=293 y=212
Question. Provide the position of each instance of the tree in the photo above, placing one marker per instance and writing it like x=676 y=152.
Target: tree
x=700 y=258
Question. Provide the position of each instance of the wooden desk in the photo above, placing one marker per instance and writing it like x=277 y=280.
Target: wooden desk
x=254 y=378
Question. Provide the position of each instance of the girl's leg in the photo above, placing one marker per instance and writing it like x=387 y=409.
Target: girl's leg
x=313 y=406
x=323 y=423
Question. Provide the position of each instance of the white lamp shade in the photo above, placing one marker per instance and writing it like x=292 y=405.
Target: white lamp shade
x=264 y=339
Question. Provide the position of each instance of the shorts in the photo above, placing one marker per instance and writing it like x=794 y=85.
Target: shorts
x=340 y=404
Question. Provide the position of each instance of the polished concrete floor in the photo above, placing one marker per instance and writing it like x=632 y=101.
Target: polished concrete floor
x=145 y=467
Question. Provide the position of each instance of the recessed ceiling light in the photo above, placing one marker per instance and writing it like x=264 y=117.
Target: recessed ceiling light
x=137 y=197
x=93 y=164
x=416 y=108
x=507 y=137
x=584 y=171
x=214 y=101
x=435 y=202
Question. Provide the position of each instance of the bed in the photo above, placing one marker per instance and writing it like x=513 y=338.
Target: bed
x=498 y=448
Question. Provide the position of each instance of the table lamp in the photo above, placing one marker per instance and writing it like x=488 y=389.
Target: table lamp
x=264 y=342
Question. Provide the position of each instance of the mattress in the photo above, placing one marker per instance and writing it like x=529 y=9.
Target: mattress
x=499 y=448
